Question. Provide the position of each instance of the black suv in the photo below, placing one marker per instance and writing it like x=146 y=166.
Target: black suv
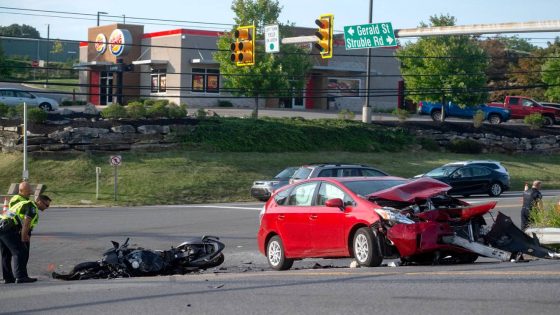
x=334 y=170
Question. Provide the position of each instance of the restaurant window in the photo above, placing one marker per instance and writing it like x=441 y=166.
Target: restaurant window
x=205 y=80
x=159 y=80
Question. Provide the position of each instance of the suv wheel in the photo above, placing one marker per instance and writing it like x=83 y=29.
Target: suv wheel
x=436 y=115
x=495 y=119
x=495 y=190
x=548 y=121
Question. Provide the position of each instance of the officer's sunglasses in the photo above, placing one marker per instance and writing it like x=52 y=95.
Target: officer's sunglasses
x=45 y=203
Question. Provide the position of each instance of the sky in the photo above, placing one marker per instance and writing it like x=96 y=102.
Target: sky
x=401 y=13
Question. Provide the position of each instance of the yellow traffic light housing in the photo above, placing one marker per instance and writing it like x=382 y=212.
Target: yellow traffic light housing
x=325 y=35
x=243 y=49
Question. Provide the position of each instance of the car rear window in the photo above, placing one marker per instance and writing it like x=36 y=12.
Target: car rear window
x=287 y=173
x=366 y=187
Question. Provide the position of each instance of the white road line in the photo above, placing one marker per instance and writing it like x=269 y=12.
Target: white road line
x=206 y=206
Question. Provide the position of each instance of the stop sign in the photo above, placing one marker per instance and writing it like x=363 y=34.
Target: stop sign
x=35 y=63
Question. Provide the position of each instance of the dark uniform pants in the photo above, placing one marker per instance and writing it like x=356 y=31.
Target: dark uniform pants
x=525 y=219
x=11 y=246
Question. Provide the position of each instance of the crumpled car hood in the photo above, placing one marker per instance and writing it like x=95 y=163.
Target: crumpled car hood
x=421 y=188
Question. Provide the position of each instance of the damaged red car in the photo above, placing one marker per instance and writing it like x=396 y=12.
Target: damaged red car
x=372 y=218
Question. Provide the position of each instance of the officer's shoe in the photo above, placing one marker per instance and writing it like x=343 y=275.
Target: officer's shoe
x=26 y=280
x=8 y=281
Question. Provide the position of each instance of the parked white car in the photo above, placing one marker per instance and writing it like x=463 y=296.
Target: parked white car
x=14 y=97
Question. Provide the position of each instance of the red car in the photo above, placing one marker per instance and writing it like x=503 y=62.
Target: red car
x=371 y=218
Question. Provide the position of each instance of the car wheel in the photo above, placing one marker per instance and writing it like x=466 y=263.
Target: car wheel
x=495 y=190
x=45 y=106
x=548 y=121
x=276 y=254
x=495 y=119
x=436 y=115
x=366 y=248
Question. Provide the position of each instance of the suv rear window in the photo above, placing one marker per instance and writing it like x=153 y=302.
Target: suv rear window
x=302 y=173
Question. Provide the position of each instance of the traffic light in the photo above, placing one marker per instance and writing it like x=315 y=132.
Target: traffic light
x=243 y=49
x=325 y=35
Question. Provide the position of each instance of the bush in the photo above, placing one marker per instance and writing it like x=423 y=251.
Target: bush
x=225 y=104
x=465 y=146
x=3 y=110
x=478 y=119
x=136 y=110
x=36 y=115
x=113 y=111
x=201 y=113
x=428 y=144
x=176 y=111
x=346 y=114
x=549 y=217
x=159 y=109
x=401 y=114
x=535 y=120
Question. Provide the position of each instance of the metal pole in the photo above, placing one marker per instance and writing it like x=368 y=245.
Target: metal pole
x=116 y=175
x=98 y=17
x=25 y=173
x=48 y=53
x=97 y=172
x=366 y=110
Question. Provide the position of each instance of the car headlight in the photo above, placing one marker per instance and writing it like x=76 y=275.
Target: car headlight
x=392 y=215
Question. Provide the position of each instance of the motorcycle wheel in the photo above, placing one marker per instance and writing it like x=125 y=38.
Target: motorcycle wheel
x=215 y=262
x=86 y=270
x=84 y=266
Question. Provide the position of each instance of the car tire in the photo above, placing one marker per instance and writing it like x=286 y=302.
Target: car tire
x=276 y=254
x=496 y=189
x=495 y=119
x=45 y=106
x=436 y=115
x=548 y=121
x=365 y=246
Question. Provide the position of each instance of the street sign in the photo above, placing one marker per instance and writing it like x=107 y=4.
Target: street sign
x=116 y=160
x=35 y=63
x=272 y=38
x=369 y=36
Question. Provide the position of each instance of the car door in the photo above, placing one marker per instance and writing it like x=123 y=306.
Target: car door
x=460 y=180
x=293 y=220
x=327 y=228
x=515 y=107
x=8 y=97
x=26 y=97
x=481 y=179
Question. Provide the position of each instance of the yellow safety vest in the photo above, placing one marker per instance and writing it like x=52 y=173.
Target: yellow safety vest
x=15 y=199
x=15 y=212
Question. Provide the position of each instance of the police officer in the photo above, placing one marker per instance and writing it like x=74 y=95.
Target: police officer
x=532 y=199
x=24 y=191
x=15 y=240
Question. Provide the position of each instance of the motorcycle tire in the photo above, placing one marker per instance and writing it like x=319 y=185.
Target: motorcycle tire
x=216 y=261
x=84 y=266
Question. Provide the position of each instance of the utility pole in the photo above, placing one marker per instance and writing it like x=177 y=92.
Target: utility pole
x=366 y=110
x=98 y=14
x=48 y=54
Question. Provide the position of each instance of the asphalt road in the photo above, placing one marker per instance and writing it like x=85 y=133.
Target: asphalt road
x=245 y=285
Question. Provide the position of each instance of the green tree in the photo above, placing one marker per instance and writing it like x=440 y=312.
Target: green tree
x=4 y=67
x=16 y=30
x=57 y=47
x=446 y=68
x=272 y=75
x=550 y=70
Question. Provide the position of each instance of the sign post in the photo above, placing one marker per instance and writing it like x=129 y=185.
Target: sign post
x=369 y=36
x=97 y=173
x=272 y=38
x=116 y=162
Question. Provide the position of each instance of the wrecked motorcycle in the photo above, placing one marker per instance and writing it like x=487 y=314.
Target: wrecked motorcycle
x=194 y=254
x=420 y=223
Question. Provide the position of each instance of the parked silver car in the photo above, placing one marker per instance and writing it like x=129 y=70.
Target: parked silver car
x=263 y=189
x=14 y=97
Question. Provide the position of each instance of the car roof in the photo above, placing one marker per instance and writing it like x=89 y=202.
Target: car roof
x=335 y=164
x=354 y=178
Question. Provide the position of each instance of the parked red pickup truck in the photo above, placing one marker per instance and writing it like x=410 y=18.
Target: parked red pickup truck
x=521 y=106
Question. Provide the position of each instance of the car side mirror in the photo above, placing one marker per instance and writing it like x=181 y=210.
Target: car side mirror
x=336 y=203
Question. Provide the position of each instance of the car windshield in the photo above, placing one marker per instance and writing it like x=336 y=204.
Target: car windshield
x=443 y=171
x=301 y=173
x=366 y=187
x=287 y=173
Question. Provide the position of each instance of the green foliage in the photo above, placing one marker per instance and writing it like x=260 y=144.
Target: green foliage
x=114 y=111
x=346 y=114
x=428 y=144
x=548 y=217
x=4 y=110
x=136 y=110
x=222 y=103
x=401 y=114
x=443 y=72
x=159 y=109
x=272 y=74
x=57 y=47
x=16 y=30
x=478 y=119
x=176 y=111
x=36 y=115
x=5 y=69
x=465 y=146
x=201 y=113
x=534 y=121
x=550 y=70
x=285 y=134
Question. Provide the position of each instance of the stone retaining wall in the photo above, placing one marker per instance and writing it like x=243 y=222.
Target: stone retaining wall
x=157 y=137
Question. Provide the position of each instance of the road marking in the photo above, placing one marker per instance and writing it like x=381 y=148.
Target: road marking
x=207 y=206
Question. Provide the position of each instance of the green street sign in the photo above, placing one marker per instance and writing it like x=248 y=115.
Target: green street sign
x=369 y=36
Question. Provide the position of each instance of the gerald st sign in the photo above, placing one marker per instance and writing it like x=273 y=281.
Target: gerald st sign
x=369 y=36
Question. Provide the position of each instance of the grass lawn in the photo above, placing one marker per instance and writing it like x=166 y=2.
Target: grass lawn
x=180 y=177
x=66 y=85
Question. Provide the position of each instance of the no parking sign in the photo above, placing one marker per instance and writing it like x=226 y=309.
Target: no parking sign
x=116 y=160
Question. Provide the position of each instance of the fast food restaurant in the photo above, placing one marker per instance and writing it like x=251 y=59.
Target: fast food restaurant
x=120 y=63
